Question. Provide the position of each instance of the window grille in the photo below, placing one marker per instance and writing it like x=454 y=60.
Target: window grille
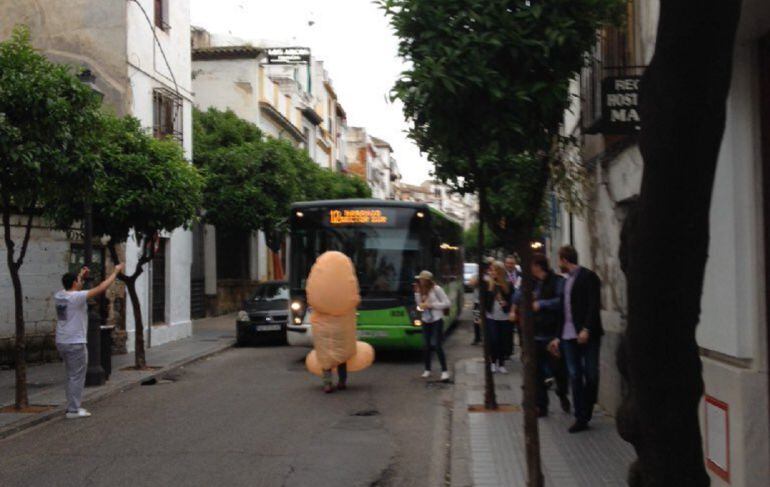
x=167 y=115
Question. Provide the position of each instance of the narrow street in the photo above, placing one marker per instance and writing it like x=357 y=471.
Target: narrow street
x=252 y=416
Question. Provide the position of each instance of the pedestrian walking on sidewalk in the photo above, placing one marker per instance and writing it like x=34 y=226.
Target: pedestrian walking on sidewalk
x=513 y=276
x=474 y=282
x=579 y=340
x=498 y=307
x=548 y=308
x=432 y=301
x=72 y=330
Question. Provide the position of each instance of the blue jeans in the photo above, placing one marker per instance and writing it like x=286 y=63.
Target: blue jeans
x=548 y=366
x=583 y=369
x=500 y=336
x=433 y=339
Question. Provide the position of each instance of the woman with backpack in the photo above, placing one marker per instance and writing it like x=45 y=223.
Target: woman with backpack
x=432 y=301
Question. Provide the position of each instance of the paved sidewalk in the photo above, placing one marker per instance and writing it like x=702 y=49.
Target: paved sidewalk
x=46 y=381
x=494 y=442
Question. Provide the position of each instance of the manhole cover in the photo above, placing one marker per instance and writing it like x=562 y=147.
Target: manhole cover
x=366 y=412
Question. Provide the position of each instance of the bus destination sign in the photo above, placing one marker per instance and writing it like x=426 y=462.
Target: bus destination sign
x=361 y=216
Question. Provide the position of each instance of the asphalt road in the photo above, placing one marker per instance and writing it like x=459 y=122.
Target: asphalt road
x=253 y=417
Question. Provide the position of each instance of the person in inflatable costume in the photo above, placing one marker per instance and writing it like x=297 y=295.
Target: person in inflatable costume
x=333 y=296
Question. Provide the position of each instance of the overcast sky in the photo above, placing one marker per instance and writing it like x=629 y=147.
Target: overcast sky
x=355 y=42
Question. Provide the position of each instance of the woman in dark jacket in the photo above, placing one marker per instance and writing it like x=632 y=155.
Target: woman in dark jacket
x=497 y=302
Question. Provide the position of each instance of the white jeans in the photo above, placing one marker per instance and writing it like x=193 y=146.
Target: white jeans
x=75 y=356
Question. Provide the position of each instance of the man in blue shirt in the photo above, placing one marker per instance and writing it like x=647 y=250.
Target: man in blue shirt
x=579 y=339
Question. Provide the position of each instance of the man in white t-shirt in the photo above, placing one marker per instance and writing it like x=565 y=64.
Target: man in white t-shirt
x=72 y=330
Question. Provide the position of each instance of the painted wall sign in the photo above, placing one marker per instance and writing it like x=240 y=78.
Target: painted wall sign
x=620 y=105
x=288 y=55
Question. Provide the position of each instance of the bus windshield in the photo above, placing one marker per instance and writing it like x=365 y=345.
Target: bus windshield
x=386 y=257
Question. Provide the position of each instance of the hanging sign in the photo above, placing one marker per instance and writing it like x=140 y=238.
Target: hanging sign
x=288 y=55
x=620 y=105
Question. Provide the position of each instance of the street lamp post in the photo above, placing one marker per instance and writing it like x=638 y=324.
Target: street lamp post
x=95 y=374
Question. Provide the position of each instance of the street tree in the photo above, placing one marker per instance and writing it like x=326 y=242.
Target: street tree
x=471 y=237
x=144 y=188
x=252 y=180
x=322 y=184
x=683 y=107
x=485 y=93
x=47 y=119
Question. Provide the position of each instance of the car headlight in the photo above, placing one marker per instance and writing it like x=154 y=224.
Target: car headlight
x=243 y=316
x=417 y=323
x=296 y=306
x=297 y=320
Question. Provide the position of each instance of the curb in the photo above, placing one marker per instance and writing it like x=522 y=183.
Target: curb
x=460 y=461
x=58 y=412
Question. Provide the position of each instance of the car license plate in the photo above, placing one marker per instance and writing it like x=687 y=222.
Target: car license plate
x=372 y=334
x=268 y=327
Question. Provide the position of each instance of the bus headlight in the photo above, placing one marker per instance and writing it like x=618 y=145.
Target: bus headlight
x=298 y=311
x=417 y=323
x=243 y=316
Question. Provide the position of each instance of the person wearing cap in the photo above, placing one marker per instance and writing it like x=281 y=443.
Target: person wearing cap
x=432 y=301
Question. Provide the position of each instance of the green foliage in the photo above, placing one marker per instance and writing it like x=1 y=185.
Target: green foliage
x=143 y=184
x=251 y=180
x=487 y=87
x=146 y=184
x=323 y=184
x=470 y=241
x=48 y=124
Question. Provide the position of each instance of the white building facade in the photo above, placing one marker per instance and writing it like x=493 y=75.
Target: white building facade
x=293 y=102
x=733 y=331
x=140 y=57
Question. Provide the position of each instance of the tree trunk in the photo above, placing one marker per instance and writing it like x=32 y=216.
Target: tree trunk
x=490 y=399
x=20 y=359
x=20 y=356
x=683 y=100
x=528 y=356
x=140 y=362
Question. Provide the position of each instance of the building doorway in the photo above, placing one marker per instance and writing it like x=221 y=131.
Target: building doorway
x=197 y=275
x=159 y=283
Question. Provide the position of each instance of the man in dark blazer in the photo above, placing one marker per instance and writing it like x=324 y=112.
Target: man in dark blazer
x=579 y=338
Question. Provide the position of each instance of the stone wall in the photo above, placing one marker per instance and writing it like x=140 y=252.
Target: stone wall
x=82 y=33
x=46 y=261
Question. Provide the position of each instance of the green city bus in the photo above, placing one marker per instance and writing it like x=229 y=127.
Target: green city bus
x=389 y=242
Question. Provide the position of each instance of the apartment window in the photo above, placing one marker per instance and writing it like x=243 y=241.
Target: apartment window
x=167 y=114
x=161 y=14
